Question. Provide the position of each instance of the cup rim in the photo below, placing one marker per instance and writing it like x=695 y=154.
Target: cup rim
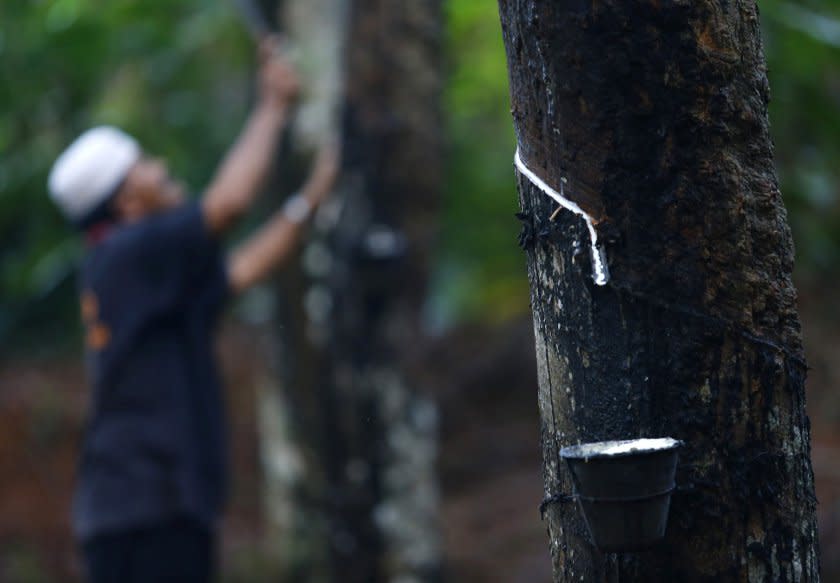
x=620 y=448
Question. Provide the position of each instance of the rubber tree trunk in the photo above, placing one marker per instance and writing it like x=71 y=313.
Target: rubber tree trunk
x=394 y=155
x=652 y=117
x=295 y=409
x=294 y=401
x=357 y=449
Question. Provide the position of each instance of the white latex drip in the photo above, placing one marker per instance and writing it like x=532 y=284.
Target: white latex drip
x=600 y=272
x=617 y=447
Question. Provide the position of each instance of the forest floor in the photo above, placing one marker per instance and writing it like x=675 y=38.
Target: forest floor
x=490 y=458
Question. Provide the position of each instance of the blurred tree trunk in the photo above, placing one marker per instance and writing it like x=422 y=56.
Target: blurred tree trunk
x=652 y=116
x=393 y=148
x=361 y=437
x=295 y=403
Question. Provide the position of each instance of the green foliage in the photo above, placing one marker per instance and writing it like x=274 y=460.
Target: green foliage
x=481 y=270
x=802 y=42
x=175 y=73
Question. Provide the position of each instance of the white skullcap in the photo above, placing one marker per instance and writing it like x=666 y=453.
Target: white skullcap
x=89 y=171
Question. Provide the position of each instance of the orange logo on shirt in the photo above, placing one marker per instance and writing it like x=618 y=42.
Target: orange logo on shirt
x=97 y=335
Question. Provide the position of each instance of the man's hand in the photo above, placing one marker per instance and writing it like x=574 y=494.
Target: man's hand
x=279 y=81
x=275 y=241
x=236 y=183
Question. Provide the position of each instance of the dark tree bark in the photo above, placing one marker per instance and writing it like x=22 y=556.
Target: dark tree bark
x=653 y=117
x=367 y=494
x=392 y=132
x=393 y=145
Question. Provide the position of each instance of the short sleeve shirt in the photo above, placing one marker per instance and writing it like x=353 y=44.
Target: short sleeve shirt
x=155 y=445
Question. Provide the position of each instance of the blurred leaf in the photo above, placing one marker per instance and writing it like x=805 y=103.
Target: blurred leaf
x=802 y=44
x=173 y=72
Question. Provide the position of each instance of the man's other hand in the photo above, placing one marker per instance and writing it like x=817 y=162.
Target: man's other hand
x=274 y=242
x=279 y=81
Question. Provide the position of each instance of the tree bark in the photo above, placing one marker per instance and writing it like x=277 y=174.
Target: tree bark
x=393 y=150
x=366 y=498
x=652 y=117
x=295 y=403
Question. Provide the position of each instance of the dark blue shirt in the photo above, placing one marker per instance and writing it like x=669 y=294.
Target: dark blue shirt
x=155 y=445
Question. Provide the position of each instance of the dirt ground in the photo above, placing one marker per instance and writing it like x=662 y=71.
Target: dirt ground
x=490 y=465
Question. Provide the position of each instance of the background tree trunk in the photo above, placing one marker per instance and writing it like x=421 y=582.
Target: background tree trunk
x=653 y=117
x=393 y=144
x=358 y=455
x=295 y=405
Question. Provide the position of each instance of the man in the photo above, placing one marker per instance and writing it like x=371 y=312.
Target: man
x=151 y=481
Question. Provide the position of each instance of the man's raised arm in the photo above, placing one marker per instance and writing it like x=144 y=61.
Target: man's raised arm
x=273 y=243
x=241 y=174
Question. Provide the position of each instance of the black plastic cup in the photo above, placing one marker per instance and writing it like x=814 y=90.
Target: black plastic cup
x=624 y=490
